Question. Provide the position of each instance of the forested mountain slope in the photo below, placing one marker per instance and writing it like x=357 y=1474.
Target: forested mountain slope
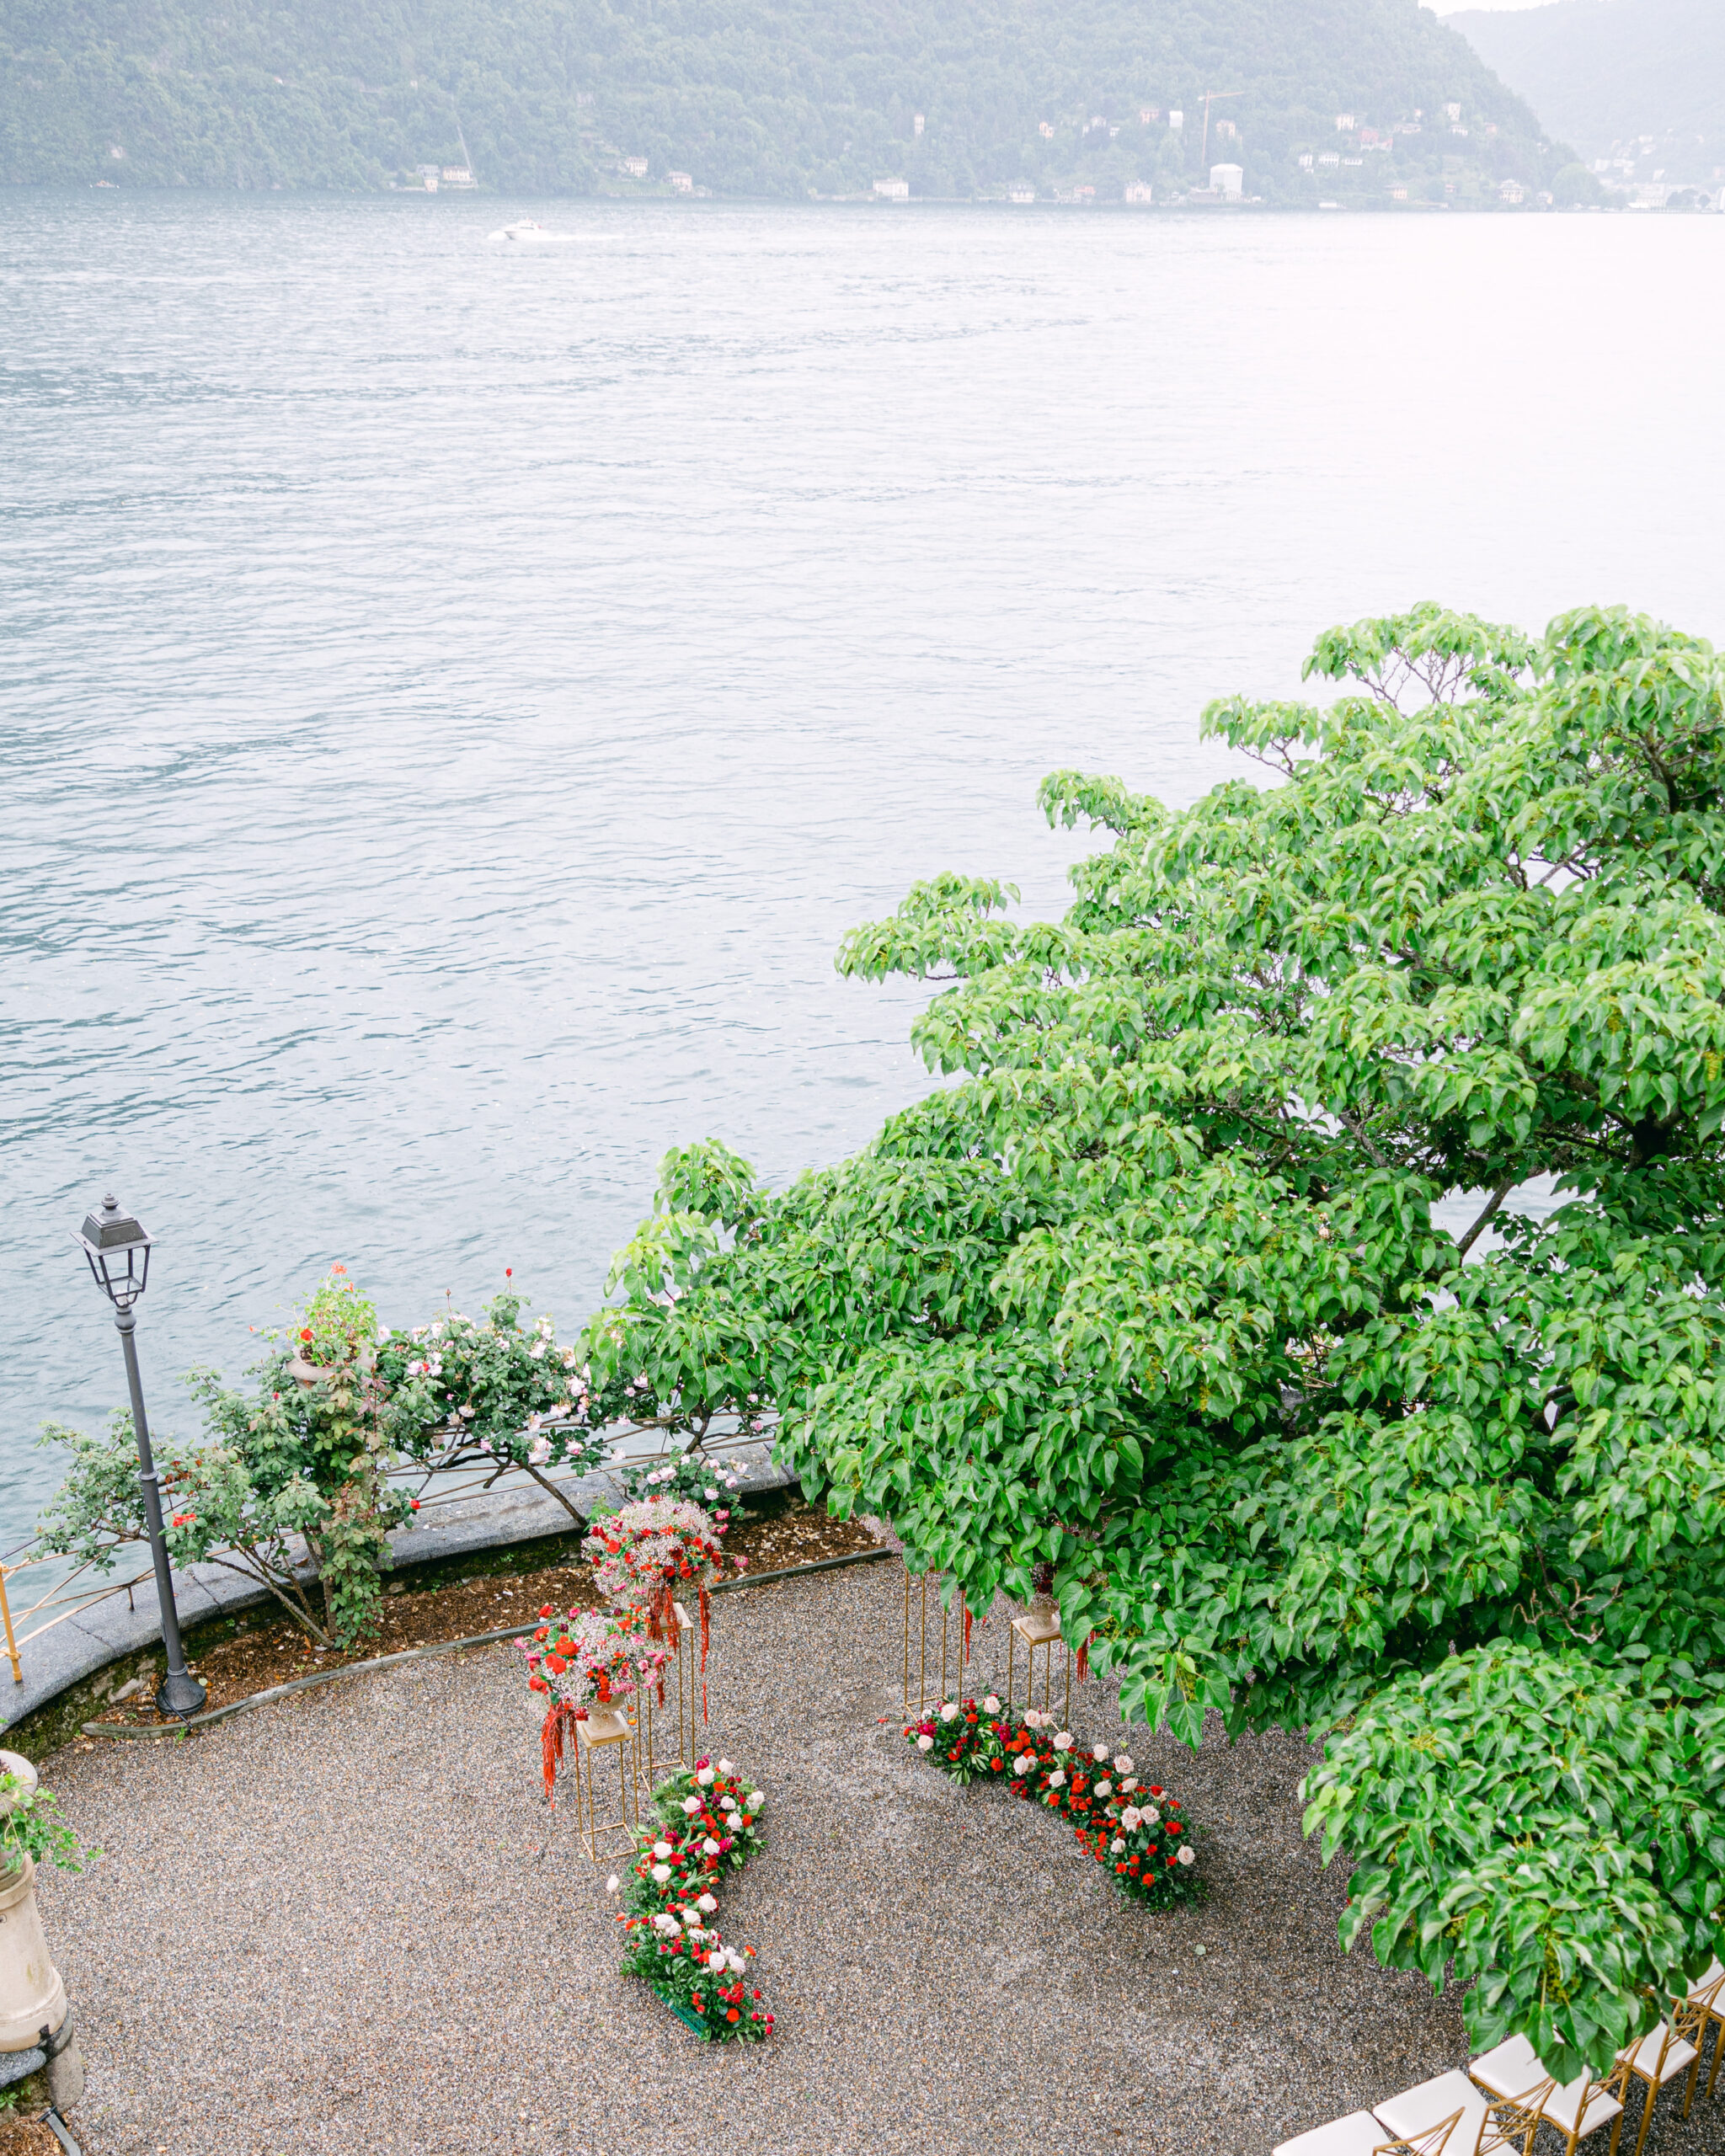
x=780 y=98
x=1607 y=73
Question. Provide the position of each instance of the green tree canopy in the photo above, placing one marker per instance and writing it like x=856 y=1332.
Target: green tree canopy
x=1152 y=1291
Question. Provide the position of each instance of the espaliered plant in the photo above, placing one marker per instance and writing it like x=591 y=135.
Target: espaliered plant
x=1155 y=1292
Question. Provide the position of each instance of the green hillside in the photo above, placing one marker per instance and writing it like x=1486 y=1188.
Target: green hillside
x=777 y=98
x=1640 y=79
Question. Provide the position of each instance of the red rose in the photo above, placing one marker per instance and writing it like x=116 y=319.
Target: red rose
x=732 y=2015
x=556 y=1664
x=545 y=1610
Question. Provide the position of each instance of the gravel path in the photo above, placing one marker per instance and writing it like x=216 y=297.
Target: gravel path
x=347 y=1923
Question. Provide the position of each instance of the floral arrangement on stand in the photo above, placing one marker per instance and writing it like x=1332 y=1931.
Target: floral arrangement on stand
x=1139 y=1831
x=707 y=1827
x=647 y=1555
x=586 y=1659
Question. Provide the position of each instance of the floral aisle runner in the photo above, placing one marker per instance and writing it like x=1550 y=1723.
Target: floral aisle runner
x=708 y=1827
x=1140 y=1831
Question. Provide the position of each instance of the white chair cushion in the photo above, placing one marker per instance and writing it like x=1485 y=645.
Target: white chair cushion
x=1703 y=1985
x=1563 y=2103
x=1513 y=2068
x=1510 y=2068
x=1644 y=2056
x=1416 y=2109
x=1357 y=2135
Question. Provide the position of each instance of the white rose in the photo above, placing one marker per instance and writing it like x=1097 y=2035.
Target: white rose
x=1188 y=1854
x=1131 y=1818
x=691 y=1805
x=1023 y=1764
x=1116 y=1846
x=1034 y=1717
x=709 y=1847
x=1103 y=1788
x=707 y=1904
x=665 y=1921
x=705 y=1777
x=924 y=1744
x=756 y=1799
x=1056 y=1778
x=726 y=1768
x=611 y=1884
x=661 y=1872
x=1063 y=1742
x=738 y=1964
x=990 y=1705
x=1098 y=1752
x=1130 y=1782
x=661 y=1849
x=1123 y=1762
x=727 y=1804
x=715 y=1960
x=949 y=1710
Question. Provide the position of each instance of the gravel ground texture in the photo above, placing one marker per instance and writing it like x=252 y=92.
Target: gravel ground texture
x=349 y=1923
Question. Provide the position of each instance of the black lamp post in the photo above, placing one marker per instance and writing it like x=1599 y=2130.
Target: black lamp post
x=118 y=1253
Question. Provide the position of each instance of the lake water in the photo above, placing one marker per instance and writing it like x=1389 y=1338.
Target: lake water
x=457 y=695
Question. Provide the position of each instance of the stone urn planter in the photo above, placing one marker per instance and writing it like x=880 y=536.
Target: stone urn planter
x=34 y=2022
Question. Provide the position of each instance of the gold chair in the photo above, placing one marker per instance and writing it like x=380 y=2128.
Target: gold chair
x=1709 y=1990
x=1511 y=2072
x=1488 y=2125
x=1672 y=2048
x=1359 y=2134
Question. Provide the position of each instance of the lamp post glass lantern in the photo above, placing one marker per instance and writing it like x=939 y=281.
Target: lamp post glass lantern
x=117 y=1250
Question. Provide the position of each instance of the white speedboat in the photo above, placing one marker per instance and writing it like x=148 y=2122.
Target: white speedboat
x=529 y=229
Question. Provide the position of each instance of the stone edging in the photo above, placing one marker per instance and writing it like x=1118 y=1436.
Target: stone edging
x=424 y=1654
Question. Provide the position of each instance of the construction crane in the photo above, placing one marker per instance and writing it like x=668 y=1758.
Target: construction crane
x=1210 y=97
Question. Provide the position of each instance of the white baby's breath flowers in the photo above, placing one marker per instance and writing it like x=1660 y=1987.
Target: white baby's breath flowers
x=925 y=1743
x=1188 y=1854
x=661 y=1872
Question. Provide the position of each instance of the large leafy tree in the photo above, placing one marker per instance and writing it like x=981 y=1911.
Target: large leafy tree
x=1153 y=1293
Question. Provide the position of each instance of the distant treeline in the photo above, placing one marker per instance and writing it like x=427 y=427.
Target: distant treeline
x=776 y=97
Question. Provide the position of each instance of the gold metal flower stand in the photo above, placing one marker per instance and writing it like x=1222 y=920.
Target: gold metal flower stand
x=1040 y=1630
x=928 y=1660
x=669 y=1730
x=606 y=1735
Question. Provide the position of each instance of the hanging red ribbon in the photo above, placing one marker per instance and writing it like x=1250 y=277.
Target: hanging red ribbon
x=1084 y=1657
x=562 y=1718
x=964 y=1612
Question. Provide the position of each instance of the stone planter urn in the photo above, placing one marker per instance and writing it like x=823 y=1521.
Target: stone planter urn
x=34 y=2016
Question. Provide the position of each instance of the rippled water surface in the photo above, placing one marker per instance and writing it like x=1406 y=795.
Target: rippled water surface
x=456 y=697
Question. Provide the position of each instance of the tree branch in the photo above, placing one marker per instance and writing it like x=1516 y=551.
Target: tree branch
x=1484 y=1220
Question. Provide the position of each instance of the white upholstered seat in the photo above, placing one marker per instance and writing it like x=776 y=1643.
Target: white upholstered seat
x=1357 y=2135
x=1576 y=2108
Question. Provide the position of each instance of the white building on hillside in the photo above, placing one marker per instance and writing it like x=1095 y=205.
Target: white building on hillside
x=892 y=190
x=1228 y=179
